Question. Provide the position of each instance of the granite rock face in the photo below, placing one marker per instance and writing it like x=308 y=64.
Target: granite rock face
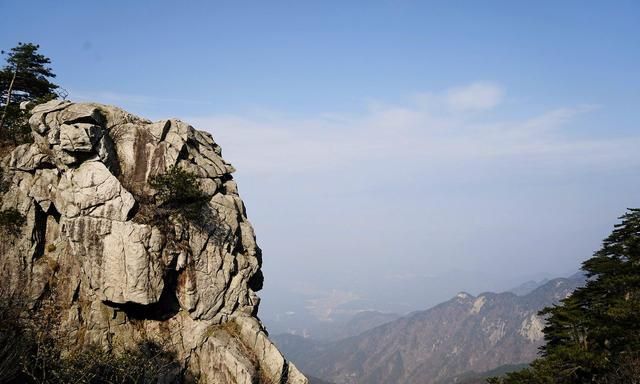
x=118 y=279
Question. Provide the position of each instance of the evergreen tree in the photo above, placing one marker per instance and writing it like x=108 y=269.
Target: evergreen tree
x=25 y=77
x=593 y=336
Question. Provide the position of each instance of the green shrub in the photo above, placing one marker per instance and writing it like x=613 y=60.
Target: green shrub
x=11 y=221
x=12 y=345
x=29 y=353
x=146 y=363
x=177 y=187
x=179 y=191
x=16 y=128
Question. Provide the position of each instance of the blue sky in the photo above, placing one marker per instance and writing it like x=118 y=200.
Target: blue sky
x=382 y=145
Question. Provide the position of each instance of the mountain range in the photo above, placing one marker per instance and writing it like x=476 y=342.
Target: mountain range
x=454 y=341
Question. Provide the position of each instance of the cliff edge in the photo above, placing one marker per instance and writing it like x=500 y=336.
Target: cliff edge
x=93 y=245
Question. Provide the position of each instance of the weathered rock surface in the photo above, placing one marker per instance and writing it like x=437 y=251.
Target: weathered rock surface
x=116 y=279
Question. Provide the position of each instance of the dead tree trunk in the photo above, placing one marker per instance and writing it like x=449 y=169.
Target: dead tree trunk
x=6 y=106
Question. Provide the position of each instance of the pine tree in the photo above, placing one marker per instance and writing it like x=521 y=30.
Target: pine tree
x=593 y=336
x=24 y=78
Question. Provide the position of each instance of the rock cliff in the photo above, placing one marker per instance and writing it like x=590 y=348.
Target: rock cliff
x=117 y=277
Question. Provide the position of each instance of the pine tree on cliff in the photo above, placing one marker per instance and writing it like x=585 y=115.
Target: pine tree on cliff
x=25 y=77
x=593 y=336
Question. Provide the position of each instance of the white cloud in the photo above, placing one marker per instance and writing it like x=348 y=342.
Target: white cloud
x=452 y=186
x=555 y=118
x=421 y=133
x=475 y=97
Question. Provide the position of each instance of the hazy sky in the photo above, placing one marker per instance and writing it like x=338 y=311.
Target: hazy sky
x=390 y=153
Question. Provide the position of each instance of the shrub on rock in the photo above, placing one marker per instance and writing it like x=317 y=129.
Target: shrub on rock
x=179 y=190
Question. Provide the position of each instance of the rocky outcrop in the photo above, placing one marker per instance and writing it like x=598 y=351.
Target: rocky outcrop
x=117 y=278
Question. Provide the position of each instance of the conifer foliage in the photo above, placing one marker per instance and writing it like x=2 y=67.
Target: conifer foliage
x=25 y=77
x=179 y=191
x=593 y=336
x=31 y=73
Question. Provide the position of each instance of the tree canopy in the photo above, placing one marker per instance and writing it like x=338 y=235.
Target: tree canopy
x=179 y=191
x=31 y=72
x=25 y=77
x=593 y=336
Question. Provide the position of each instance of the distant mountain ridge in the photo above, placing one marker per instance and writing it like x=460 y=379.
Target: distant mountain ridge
x=528 y=287
x=357 y=324
x=462 y=335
